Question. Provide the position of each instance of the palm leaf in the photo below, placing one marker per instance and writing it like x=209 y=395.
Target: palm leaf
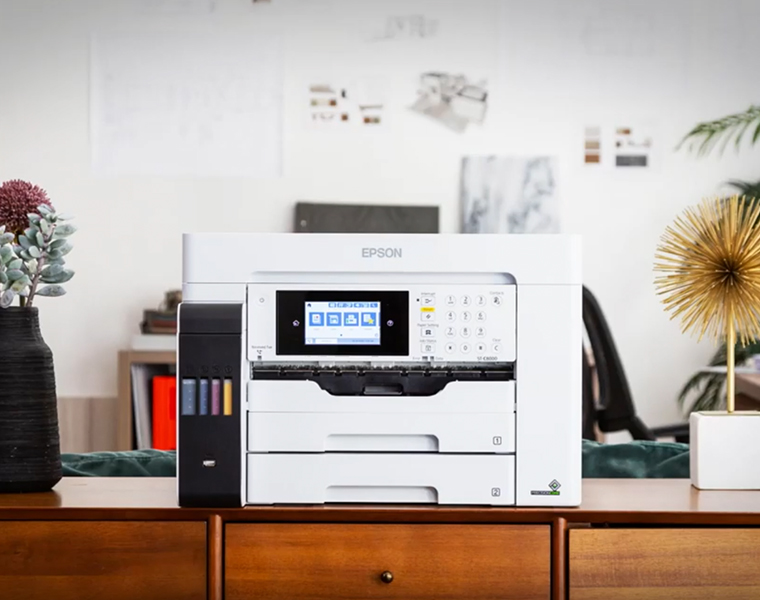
x=750 y=189
x=709 y=387
x=733 y=127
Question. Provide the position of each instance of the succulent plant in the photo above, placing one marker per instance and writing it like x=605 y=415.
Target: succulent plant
x=32 y=262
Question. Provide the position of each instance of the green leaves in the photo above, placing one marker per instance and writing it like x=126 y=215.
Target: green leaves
x=733 y=127
x=35 y=257
x=6 y=299
x=6 y=254
x=51 y=291
x=61 y=276
x=65 y=230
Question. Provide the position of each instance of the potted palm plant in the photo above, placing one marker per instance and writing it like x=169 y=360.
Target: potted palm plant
x=33 y=244
x=705 y=390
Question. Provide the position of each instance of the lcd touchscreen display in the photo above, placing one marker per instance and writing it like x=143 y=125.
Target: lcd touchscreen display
x=342 y=323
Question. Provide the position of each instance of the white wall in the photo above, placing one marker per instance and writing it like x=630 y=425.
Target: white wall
x=127 y=250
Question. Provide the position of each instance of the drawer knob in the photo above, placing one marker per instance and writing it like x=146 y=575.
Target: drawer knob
x=386 y=577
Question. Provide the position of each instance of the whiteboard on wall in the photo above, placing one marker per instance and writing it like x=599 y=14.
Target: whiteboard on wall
x=186 y=103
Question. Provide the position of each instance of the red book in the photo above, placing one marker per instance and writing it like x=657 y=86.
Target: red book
x=165 y=412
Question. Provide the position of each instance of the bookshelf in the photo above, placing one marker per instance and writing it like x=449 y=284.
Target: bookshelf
x=125 y=436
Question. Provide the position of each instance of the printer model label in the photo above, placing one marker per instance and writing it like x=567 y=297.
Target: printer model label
x=553 y=490
x=381 y=252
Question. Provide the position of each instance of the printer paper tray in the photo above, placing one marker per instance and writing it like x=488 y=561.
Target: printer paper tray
x=304 y=396
x=465 y=432
x=381 y=478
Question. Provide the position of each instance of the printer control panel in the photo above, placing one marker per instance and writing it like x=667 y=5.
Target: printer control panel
x=465 y=324
x=432 y=324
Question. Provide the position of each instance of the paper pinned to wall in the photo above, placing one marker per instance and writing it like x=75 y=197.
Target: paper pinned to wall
x=186 y=104
x=624 y=145
x=176 y=7
x=600 y=51
x=506 y=194
x=347 y=103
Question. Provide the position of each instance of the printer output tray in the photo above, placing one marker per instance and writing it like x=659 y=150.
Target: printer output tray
x=298 y=416
x=323 y=478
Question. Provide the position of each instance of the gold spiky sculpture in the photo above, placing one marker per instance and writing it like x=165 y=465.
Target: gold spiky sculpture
x=710 y=260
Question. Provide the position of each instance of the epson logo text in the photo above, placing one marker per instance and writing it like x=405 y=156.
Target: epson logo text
x=381 y=252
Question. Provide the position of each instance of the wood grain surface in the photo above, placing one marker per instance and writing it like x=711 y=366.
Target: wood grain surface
x=668 y=501
x=664 y=564
x=441 y=562
x=41 y=560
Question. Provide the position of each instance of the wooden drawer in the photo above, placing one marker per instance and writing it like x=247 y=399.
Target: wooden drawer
x=62 y=560
x=316 y=561
x=667 y=564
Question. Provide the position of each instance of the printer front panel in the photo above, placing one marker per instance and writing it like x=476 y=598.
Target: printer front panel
x=381 y=393
x=435 y=323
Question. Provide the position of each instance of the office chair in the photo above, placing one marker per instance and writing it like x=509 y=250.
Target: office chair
x=614 y=410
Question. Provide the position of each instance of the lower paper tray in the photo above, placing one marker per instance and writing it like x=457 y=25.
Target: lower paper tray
x=321 y=478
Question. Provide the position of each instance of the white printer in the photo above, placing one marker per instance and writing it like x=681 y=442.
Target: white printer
x=354 y=368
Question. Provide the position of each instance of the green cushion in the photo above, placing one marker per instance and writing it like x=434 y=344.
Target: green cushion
x=136 y=463
x=629 y=460
x=640 y=459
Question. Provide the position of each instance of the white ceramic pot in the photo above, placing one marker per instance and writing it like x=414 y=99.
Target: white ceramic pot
x=724 y=450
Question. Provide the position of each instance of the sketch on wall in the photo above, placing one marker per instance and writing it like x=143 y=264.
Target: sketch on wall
x=505 y=194
x=406 y=27
x=177 y=7
x=186 y=104
x=452 y=100
x=358 y=103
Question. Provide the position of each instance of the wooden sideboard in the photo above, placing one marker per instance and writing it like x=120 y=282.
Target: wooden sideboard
x=122 y=538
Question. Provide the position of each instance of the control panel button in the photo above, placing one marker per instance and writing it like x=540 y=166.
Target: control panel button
x=428 y=301
x=465 y=348
x=451 y=316
x=480 y=332
x=427 y=317
x=497 y=347
x=497 y=301
x=481 y=316
x=466 y=301
x=450 y=348
x=450 y=300
x=465 y=332
x=481 y=347
x=480 y=300
x=427 y=348
x=427 y=332
x=466 y=316
x=450 y=332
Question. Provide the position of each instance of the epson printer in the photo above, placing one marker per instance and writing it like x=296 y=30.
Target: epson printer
x=347 y=368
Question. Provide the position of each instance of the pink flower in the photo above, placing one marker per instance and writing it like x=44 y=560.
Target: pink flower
x=18 y=199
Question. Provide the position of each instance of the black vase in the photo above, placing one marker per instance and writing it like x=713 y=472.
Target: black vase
x=30 y=450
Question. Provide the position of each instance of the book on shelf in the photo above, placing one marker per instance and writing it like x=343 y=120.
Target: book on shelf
x=154 y=406
x=154 y=342
x=164 y=412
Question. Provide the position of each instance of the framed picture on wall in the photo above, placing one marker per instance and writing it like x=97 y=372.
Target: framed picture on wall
x=314 y=217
